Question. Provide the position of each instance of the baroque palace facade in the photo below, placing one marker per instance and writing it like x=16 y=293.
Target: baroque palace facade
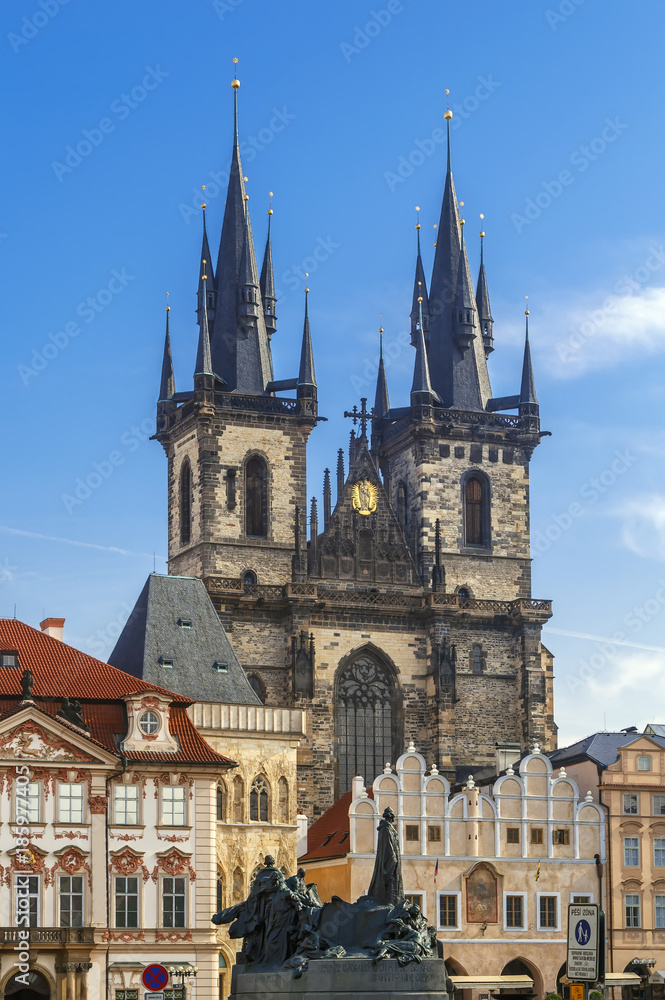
x=405 y=612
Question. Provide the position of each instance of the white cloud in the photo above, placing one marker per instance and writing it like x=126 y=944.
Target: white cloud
x=643 y=528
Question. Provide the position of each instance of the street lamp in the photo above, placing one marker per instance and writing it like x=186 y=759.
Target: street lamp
x=183 y=971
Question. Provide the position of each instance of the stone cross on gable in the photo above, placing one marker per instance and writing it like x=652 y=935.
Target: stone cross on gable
x=362 y=415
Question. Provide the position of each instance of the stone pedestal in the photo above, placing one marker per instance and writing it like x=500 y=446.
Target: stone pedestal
x=345 y=979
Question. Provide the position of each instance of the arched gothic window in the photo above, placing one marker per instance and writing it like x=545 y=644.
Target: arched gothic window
x=402 y=515
x=221 y=802
x=258 y=800
x=283 y=800
x=477 y=659
x=238 y=800
x=258 y=687
x=365 y=720
x=185 y=503
x=256 y=497
x=249 y=581
x=475 y=512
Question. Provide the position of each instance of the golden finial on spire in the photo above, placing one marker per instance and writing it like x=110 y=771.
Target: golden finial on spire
x=168 y=307
x=203 y=204
x=447 y=113
x=235 y=83
x=462 y=221
x=306 y=289
x=420 y=298
x=526 y=311
x=204 y=276
x=482 y=231
x=417 y=216
x=270 y=205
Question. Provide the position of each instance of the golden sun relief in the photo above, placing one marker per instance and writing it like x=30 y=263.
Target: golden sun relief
x=364 y=496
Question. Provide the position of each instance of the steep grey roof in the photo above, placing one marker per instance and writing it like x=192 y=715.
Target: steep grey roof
x=600 y=748
x=306 y=374
x=203 y=359
x=483 y=295
x=421 y=387
x=153 y=634
x=419 y=291
x=167 y=382
x=206 y=269
x=381 y=399
x=528 y=387
x=654 y=729
x=267 y=276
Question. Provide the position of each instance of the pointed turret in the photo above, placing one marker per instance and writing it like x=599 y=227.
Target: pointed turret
x=240 y=346
x=211 y=293
x=485 y=320
x=419 y=291
x=327 y=499
x=459 y=374
x=203 y=370
x=422 y=393
x=268 y=284
x=381 y=400
x=464 y=312
x=167 y=383
x=340 y=473
x=528 y=399
x=306 y=378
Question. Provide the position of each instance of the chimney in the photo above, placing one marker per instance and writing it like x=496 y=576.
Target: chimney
x=301 y=821
x=53 y=627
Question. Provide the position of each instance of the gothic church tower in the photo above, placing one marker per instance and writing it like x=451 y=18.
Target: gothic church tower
x=407 y=612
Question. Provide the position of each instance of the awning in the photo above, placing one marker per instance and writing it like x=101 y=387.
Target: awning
x=622 y=979
x=493 y=982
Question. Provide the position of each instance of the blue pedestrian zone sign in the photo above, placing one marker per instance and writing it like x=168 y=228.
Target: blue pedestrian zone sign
x=584 y=944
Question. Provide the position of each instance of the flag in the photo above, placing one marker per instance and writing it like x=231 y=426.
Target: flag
x=538 y=872
x=436 y=870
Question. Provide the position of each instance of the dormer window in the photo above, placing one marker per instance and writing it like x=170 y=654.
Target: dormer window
x=9 y=659
x=221 y=667
x=185 y=622
x=165 y=662
x=149 y=723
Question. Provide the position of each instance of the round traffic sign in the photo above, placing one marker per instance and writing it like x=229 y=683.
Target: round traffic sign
x=155 y=977
x=583 y=932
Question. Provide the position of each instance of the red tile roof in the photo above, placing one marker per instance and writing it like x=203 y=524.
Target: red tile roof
x=60 y=670
x=329 y=836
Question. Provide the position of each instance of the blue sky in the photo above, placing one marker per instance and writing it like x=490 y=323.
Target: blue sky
x=558 y=140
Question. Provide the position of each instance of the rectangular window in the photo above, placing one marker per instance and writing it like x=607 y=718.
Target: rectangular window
x=173 y=806
x=659 y=903
x=536 y=836
x=70 y=803
x=415 y=898
x=548 y=912
x=447 y=910
x=630 y=804
x=27 y=896
x=561 y=837
x=434 y=834
x=173 y=902
x=581 y=900
x=514 y=911
x=127 y=995
x=659 y=852
x=126 y=901
x=70 y=893
x=28 y=801
x=411 y=832
x=632 y=905
x=126 y=801
x=644 y=763
x=659 y=805
x=513 y=835
x=631 y=852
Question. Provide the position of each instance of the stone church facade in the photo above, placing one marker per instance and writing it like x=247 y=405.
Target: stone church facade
x=403 y=611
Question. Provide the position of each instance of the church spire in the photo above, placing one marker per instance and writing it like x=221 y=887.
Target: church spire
x=306 y=377
x=203 y=359
x=464 y=319
x=268 y=283
x=421 y=388
x=419 y=290
x=483 y=301
x=528 y=399
x=205 y=255
x=167 y=383
x=381 y=400
x=239 y=344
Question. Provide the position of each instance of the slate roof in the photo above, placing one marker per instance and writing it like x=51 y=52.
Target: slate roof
x=152 y=633
x=601 y=748
x=60 y=670
x=329 y=836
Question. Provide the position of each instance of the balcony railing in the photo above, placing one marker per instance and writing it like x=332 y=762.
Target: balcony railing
x=50 y=935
